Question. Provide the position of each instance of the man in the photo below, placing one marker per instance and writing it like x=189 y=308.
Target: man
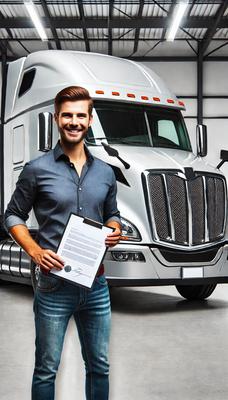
x=64 y=180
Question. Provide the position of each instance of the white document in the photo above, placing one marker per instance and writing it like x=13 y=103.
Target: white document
x=82 y=248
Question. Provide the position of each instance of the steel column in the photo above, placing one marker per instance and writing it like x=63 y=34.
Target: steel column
x=200 y=84
x=3 y=98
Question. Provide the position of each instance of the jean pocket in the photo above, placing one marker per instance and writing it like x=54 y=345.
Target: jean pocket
x=101 y=280
x=48 y=283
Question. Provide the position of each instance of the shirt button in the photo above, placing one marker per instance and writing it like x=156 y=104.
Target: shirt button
x=72 y=165
x=80 y=208
x=80 y=188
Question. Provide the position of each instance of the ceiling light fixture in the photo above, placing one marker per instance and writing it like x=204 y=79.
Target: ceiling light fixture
x=35 y=19
x=177 y=16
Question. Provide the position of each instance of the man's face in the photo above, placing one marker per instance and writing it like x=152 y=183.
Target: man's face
x=73 y=121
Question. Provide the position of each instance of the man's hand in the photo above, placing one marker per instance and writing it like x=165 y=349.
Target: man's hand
x=113 y=238
x=47 y=259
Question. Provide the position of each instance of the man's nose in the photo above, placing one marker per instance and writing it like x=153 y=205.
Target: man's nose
x=74 y=120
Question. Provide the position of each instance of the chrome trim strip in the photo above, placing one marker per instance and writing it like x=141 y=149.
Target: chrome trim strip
x=225 y=203
x=11 y=263
x=188 y=247
x=170 y=218
x=154 y=230
x=206 y=228
x=189 y=211
x=163 y=261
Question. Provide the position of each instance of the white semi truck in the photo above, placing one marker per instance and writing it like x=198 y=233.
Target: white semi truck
x=173 y=204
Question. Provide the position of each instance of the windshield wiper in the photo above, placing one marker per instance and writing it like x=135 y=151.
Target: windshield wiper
x=118 y=140
x=124 y=141
x=114 y=153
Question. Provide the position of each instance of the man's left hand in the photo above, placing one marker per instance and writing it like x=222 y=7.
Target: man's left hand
x=113 y=238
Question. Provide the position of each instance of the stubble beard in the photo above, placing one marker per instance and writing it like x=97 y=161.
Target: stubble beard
x=72 y=141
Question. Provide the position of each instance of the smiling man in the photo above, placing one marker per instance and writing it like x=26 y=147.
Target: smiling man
x=64 y=180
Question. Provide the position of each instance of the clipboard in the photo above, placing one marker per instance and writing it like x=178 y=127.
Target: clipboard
x=82 y=247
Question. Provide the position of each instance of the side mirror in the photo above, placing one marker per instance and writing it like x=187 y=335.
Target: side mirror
x=45 y=131
x=201 y=140
x=224 y=157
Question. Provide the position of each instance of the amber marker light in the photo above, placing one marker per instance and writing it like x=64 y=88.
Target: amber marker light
x=144 y=98
x=171 y=101
x=131 y=95
x=156 y=99
x=115 y=94
x=99 y=92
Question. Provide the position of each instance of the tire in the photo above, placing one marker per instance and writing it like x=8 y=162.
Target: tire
x=34 y=275
x=196 y=292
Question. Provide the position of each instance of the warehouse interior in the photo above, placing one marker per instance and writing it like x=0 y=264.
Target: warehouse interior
x=136 y=30
x=162 y=346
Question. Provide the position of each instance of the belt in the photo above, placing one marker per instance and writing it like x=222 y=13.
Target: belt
x=100 y=270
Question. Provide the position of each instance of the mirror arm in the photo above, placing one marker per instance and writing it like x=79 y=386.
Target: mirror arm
x=220 y=164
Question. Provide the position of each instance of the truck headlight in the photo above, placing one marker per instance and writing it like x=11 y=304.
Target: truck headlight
x=121 y=256
x=130 y=230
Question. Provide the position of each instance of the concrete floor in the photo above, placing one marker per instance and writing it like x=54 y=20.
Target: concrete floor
x=162 y=347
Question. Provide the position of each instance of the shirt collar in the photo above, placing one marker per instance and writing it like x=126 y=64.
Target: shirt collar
x=58 y=153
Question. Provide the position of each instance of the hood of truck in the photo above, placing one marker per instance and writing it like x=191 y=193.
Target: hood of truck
x=143 y=158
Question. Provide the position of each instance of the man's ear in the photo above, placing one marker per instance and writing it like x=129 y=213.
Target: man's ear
x=55 y=117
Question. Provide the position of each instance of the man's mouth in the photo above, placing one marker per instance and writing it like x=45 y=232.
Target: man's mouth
x=73 y=130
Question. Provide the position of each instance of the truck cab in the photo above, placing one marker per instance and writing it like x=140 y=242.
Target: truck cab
x=172 y=203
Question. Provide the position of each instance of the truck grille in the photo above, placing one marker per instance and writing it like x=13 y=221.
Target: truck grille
x=183 y=211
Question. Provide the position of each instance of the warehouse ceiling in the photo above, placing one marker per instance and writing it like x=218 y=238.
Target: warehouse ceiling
x=131 y=29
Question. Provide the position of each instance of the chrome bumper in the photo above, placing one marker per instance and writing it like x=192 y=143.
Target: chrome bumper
x=156 y=267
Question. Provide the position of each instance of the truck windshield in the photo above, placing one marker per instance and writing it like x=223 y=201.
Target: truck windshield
x=137 y=125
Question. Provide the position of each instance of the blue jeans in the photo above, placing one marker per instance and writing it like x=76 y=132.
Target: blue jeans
x=55 y=301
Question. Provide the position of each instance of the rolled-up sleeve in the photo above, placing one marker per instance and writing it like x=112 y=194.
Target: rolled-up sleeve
x=111 y=212
x=21 y=202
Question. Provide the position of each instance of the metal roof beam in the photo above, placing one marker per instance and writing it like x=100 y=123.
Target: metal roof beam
x=200 y=71
x=3 y=48
x=105 y=39
x=96 y=2
x=5 y=44
x=157 y=59
x=82 y=17
x=53 y=30
x=110 y=12
x=137 y=31
x=125 y=23
x=211 y=31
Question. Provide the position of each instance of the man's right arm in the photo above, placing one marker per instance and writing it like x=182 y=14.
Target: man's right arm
x=45 y=258
x=16 y=215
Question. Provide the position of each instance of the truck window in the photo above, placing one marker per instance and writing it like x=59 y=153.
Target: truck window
x=27 y=81
x=122 y=124
x=142 y=125
x=167 y=130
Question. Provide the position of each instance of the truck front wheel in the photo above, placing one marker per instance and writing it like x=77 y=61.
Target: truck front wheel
x=196 y=292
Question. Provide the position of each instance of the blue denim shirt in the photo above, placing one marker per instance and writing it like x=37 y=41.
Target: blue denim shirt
x=51 y=185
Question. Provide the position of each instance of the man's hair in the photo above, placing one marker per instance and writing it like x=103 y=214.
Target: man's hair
x=72 y=93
